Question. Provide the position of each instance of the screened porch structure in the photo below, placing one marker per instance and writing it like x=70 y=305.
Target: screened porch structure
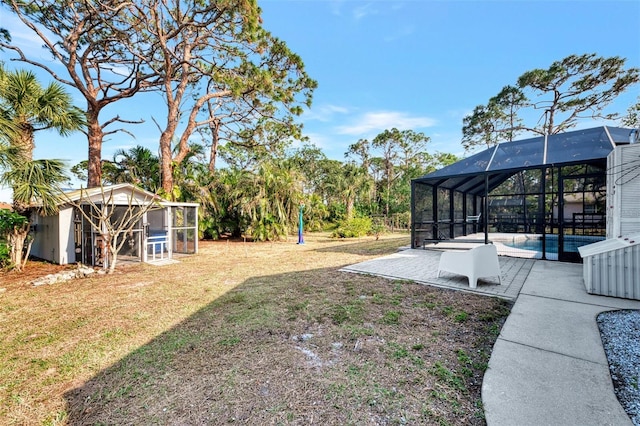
x=545 y=194
x=162 y=231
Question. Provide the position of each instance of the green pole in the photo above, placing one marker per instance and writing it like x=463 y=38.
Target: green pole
x=300 y=225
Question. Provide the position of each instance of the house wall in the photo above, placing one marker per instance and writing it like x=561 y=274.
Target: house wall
x=45 y=242
x=623 y=191
x=67 y=244
x=53 y=237
x=569 y=209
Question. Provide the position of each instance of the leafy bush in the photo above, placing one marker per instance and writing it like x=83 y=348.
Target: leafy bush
x=207 y=229
x=267 y=228
x=315 y=213
x=337 y=212
x=377 y=227
x=9 y=221
x=5 y=258
x=353 y=228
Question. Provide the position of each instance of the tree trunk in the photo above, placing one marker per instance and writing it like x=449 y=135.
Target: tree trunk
x=27 y=252
x=166 y=165
x=18 y=236
x=16 y=241
x=105 y=250
x=25 y=142
x=215 y=140
x=350 y=208
x=386 y=207
x=113 y=249
x=94 y=137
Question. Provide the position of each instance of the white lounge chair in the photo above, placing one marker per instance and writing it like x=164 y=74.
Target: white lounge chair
x=479 y=262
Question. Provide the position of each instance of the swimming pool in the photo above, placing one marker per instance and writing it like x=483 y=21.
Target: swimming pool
x=534 y=242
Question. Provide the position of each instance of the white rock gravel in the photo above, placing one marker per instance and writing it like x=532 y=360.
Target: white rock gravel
x=620 y=332
x=80 y=272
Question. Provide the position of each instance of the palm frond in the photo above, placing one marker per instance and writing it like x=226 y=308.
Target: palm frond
x=37 y=184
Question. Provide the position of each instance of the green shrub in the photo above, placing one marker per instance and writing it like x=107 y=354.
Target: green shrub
x=5 y=258
x=378 y=229
x=207 y=228
x=9 y=222
x=353 y=228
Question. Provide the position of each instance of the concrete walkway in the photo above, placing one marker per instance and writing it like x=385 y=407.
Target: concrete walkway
x=548 y=366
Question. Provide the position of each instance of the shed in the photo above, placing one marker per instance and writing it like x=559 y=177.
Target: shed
x=68 y=237
x=612 y=267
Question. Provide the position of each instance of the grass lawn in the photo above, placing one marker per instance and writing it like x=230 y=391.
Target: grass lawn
x=247 y=333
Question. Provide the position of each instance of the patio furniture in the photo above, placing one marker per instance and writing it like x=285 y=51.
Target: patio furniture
x=479 y=262
x=475 y=218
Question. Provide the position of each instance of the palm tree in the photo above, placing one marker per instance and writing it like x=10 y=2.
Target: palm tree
x=350 y=184
x=8 y=131
x=229 y=195
x=139 y=166
x=36 y=188
x=187 y=174
x=35 y=183
x=33 y=108
x=269 y=199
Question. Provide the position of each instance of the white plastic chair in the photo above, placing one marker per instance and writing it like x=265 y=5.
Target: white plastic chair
x=479 y=262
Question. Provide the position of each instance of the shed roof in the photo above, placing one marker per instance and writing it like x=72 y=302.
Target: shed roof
x=505 y=159
x=121 y=194
x=126 y=188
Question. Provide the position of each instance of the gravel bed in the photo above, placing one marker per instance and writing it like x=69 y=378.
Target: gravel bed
x=620 y=332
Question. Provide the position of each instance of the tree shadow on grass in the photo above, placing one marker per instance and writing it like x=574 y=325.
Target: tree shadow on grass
x=306 y=347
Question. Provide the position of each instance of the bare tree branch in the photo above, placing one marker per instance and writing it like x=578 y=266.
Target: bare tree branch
x=113 y=227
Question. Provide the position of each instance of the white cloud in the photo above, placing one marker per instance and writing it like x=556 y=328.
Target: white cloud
x=27 y=40
x=324 y=112
x=319 y=140
x=402 y=32
x=332 y=146
x=382 y=120
x=336 y=7
x=25 y=37
x=363 y=11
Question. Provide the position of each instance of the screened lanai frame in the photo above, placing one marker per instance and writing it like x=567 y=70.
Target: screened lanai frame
x=548 y=186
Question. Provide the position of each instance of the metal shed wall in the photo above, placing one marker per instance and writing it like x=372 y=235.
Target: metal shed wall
x=612 y=268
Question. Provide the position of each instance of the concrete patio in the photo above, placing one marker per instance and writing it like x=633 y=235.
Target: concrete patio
x=421 y=266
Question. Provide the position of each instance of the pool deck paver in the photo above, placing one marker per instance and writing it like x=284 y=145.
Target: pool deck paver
x=421 y=266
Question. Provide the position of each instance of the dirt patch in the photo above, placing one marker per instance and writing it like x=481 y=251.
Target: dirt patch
x=11 y=280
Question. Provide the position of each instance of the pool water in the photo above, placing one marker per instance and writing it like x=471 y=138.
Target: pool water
x=571 y=243
x=534 y=245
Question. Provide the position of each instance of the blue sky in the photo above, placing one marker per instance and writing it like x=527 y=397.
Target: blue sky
x=419 y=65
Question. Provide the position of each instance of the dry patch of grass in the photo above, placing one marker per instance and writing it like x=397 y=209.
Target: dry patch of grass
x=251 y=333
